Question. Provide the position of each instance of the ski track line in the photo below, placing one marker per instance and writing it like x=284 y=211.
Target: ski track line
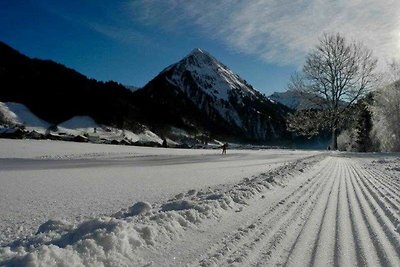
x=271 y=247
x=325 y=248
x=296 y=236
x=385 y=253
x=382 y=191
x=366 y=255
x=382 y=180
x=386 y=178
x=319 y=239
x=386 y=175
x=382 y=218
x=304 y=248
x=342 y=215
x=388 y=205
x=347 y=249
x=238 y=243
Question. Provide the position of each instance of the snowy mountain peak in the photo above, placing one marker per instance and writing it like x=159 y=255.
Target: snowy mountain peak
x=199 y=58
x=219 y=93
x=197 y=51
x=210 y=76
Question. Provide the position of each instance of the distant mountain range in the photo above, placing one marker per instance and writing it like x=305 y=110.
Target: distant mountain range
x=293 y=100
x=299 y=101
x=198 y=95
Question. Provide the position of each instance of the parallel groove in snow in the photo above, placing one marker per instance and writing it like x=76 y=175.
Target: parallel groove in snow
x=297 y=216
x=313 y=244
x=385 y=184
x=266 y=219
x=233 y=250
x=381 y=224
x=383 y=201
x=331 y=211
x=365 y=214
x=309 y=242
x=346 y=216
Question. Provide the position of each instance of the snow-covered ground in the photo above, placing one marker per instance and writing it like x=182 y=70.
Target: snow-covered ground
x=67 y=204
x=42 y=180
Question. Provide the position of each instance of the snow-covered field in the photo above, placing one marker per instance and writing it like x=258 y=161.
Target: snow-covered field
x=73 y=204
x=42 y=180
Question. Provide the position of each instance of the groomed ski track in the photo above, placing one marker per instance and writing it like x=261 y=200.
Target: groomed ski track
x=343 y=214
x=318 y=209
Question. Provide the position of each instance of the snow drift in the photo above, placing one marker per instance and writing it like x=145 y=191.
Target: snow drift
x=114 y=240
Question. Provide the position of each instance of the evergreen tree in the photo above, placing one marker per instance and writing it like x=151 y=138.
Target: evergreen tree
x=363 y=126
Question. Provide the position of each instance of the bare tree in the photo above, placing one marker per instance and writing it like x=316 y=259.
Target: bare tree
x=335 y=75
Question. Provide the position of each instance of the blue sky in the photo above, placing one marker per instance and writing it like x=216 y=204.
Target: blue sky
x=131 y=41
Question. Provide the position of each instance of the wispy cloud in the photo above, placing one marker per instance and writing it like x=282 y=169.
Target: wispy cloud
x=110 y=20
x=279 y=31
x=125 y=35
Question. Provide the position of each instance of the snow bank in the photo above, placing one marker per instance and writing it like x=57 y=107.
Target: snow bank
x=114 y=240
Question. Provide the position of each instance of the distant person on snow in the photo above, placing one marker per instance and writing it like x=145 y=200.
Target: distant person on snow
x=224 y=147
x=164 y=143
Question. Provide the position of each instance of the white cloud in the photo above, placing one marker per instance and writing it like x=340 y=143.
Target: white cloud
x=280 y=31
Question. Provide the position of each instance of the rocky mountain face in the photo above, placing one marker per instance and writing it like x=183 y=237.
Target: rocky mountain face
x=199 y=92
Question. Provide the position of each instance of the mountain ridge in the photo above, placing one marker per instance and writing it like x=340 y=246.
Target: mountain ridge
x=208 y=86
x=56 y=93
x=198 y=94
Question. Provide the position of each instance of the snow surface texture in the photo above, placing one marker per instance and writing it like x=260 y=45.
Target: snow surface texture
x=42 y=180
x=328 y=209
x=114 y=240
x=320 y=211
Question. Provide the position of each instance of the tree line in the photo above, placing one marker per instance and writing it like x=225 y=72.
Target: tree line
x=356 y=103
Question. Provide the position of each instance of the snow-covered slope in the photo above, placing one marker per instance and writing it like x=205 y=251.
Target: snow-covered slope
x=18 y=114
x=80 y=125
x=85 y=125
x=79 y=122
x=15 y=114
x=219 y=94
